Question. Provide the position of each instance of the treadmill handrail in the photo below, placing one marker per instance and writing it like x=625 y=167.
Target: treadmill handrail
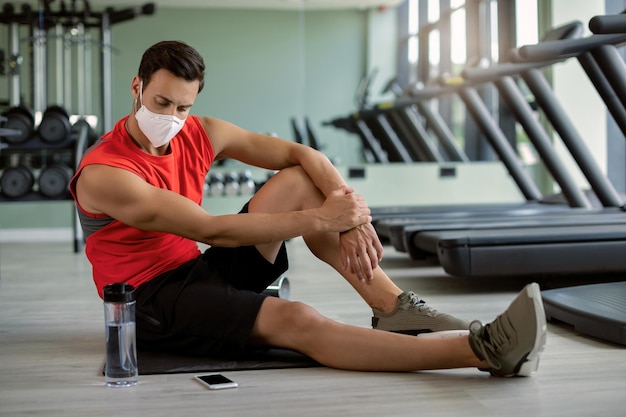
x=571 y=30
x=567 y=47
x=481 y=75
x=608 y=24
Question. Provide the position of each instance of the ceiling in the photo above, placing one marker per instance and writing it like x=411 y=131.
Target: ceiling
x=98 y=5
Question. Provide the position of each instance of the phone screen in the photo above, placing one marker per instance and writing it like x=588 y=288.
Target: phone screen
x=216 y=381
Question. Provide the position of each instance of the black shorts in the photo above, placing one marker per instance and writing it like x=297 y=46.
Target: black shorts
x=208 y=305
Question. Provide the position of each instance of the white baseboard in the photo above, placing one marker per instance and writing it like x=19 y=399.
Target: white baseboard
x=58 y=234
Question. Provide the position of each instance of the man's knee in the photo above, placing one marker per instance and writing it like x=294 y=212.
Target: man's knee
x=293 y=176
x=293 y=324
x=300 y=318
x=290 y=189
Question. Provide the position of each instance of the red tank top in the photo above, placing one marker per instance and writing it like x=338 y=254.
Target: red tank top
x=120 y=253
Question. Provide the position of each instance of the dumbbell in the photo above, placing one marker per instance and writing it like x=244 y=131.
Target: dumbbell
x=247 y=185
x=216 y=184
x=55 y=125
x=231 y=184
x=21 y=119
x=54 y=180
x=279 y=288
x=16 y=181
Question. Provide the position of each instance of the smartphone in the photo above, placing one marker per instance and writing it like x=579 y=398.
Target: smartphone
x=216 y=381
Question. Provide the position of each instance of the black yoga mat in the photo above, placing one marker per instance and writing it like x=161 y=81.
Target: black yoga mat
x=151 y=363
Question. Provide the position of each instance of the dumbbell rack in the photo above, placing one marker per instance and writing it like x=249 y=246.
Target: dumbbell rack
x=74 y=146
x=61 y=42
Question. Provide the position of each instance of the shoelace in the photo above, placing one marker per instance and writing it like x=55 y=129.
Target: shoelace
x=498 y=336
x=497 y=339
x=421 y=305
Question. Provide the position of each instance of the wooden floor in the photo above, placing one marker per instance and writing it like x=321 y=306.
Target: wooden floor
x=51 y=352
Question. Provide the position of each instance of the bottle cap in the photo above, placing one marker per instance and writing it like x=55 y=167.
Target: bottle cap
x=119 y=293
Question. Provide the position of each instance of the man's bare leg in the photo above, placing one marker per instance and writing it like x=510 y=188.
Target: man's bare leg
x=510 y=345
x=296 y=326
x=291 y=189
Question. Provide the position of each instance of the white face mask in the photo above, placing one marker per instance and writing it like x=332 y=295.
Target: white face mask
x=158 y=128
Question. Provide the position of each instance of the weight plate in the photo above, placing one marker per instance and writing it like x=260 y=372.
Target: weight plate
x=55 y=125
x=19 y=118
x=16 y=181
x=53 y=180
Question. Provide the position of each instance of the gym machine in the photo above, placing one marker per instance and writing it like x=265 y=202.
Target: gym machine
x=396 y=133
x=391 y=133
x=405 y=236
x=424 y=111
x=592 y=245
x=42 y=139
x=566 y=249
x=597 y=310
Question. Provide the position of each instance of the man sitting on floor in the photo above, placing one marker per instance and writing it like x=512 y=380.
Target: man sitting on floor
x=139 y=192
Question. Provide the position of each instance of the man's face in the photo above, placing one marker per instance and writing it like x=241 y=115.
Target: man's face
x=167 y=94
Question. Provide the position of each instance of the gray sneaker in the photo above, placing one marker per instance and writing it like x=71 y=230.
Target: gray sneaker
x=413 y=316
x=512 y=343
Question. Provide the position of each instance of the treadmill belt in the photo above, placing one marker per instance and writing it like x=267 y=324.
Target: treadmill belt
x=393 y=228
x=411 y=239
x=532 y=251
x=597 y=310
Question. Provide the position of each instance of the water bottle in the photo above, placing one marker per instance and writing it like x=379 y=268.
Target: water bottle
x=121 y=349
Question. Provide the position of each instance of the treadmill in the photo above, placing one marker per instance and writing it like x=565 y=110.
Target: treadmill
x=389 y=134
x=396 y=133
x=394 y=228
x=598 y=310
x=429 y=123
x=475 y=252
x=405 y=237
x=399 y=133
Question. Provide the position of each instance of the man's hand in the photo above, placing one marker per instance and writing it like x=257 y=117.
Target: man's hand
x=344 y=210
x=361 y=251
x=348 y=213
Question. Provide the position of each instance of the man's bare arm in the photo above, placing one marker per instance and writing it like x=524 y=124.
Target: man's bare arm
x=127 y=198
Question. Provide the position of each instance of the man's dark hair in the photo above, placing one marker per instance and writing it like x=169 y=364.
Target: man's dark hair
x=177 y=57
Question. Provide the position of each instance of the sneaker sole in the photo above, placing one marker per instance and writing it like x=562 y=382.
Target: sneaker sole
x=531 y=362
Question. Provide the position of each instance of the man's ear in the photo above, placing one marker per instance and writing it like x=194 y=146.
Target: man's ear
x=135 y=85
